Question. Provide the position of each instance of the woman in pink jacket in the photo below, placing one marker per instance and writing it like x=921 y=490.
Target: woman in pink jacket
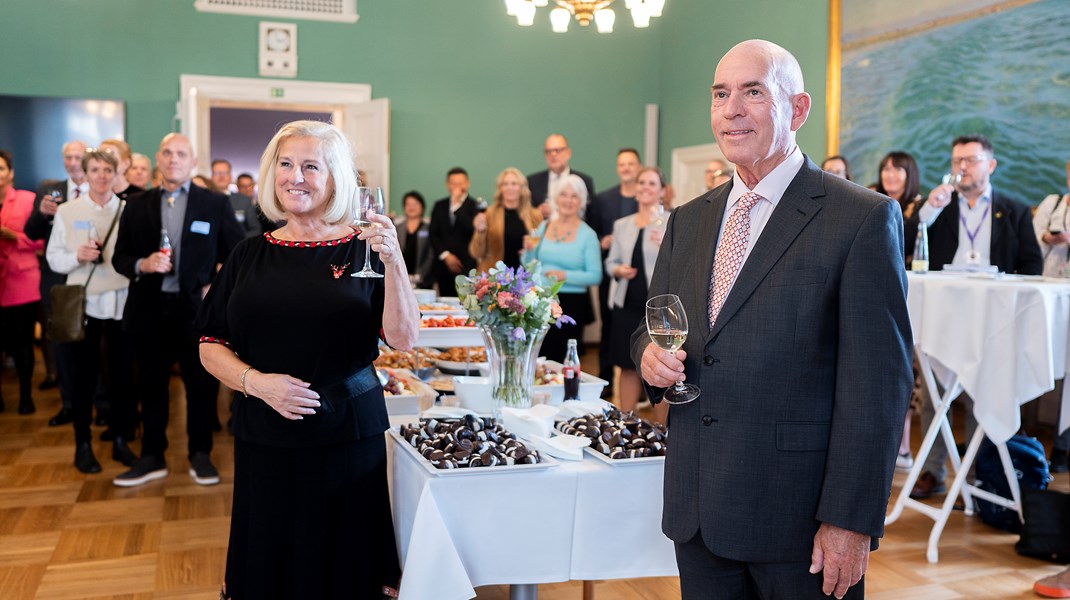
x=20 y=279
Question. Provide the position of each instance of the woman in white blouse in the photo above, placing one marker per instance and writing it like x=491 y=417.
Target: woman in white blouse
x=630 y=265
x=1051 y=223
x=80 y=244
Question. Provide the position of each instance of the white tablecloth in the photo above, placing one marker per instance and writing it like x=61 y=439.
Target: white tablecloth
x=1006 y=338
x=580 y=520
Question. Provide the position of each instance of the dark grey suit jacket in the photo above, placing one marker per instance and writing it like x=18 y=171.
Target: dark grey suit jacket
x=539 y=184
x=805 y=378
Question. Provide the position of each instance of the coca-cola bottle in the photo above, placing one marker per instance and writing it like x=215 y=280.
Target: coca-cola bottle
x=165 y=246
x=571 y=372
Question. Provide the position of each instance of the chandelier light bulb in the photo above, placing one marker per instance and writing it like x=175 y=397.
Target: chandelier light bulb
x=656 y=7
x=559 y=18
x=510 y=7
x=629 y=4
x=525 y=13
x=604 y=19
x=640 y=15
x=540 y=3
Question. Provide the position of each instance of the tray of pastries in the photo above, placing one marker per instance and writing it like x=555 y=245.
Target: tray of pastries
x=619 y=438
x=468 y=446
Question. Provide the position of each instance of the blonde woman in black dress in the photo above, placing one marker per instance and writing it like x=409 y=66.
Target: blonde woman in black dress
x=286 y=326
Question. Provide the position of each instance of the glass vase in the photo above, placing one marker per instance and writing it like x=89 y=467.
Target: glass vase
x=512 y=366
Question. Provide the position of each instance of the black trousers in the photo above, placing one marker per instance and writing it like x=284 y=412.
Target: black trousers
x=706 y=576
x=605 y=357
x=174 y=339
x=16 y=334
x=106 y=354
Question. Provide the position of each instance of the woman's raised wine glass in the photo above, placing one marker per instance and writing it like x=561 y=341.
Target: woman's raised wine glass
x=369 y=200
x=666 y=322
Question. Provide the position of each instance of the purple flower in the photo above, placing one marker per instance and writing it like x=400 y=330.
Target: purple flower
x=518 y=334
x=564 y=320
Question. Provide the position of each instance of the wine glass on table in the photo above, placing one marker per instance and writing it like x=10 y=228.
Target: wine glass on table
x=666 y=322
x=369 y=200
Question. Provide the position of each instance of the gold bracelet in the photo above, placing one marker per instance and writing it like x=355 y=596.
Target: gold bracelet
x=243 y=374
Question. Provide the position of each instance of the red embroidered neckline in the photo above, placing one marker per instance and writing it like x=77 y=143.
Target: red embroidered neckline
x=289 y=244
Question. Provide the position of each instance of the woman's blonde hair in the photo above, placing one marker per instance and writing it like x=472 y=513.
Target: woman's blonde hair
x=525 y=191
x=341 y=166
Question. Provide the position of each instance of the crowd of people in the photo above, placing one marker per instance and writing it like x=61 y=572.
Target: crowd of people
x=217 y=277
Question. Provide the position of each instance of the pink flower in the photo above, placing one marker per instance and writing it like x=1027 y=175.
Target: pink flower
x=555 y=310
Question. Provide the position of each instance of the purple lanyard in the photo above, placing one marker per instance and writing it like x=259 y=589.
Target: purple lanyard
x=972 y=235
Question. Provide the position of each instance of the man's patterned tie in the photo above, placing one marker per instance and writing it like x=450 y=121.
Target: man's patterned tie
x=730 y=251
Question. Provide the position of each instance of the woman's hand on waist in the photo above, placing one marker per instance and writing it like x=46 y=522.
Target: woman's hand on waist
x=289 y=396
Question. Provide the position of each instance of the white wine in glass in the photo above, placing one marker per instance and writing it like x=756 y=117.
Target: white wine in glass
x=369 y=200
x=666 y=322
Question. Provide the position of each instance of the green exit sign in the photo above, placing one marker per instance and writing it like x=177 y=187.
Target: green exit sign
x=277 y=92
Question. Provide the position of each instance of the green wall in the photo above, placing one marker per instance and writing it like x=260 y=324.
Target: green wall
x=466 y=85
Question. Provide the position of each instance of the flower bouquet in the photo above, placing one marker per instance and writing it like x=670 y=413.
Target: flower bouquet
x=513 y=308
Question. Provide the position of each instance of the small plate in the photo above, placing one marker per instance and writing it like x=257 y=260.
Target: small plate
x=621 y=462
x=458 y=367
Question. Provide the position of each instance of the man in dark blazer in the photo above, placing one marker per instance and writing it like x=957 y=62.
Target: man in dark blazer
x=781 y=468
x=970 y=224
x=165 y=292
x=615 y=203
x=50 y=195
x=542 y=184
x=451 y=230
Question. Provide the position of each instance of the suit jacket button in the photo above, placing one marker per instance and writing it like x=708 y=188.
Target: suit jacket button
x=707 y=420
x=707 y=360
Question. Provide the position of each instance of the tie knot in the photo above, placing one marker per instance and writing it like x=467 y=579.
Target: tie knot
x=748 y=200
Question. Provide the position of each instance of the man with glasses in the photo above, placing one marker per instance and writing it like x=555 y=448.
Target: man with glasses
x=543 y=185
x=970 y=225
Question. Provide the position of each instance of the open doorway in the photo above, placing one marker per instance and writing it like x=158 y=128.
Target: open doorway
x=234 y=118
x=240 y=134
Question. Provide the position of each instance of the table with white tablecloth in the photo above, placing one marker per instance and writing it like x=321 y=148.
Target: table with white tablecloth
x=580 y=520
x=1002 y=340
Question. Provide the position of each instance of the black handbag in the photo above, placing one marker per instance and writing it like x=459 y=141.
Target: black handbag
x=68 y=302
x=1046 y=532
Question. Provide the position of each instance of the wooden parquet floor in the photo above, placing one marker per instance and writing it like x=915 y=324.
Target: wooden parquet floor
x=67 y=536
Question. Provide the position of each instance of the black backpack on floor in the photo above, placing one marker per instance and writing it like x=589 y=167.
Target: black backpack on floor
x=1031 y=466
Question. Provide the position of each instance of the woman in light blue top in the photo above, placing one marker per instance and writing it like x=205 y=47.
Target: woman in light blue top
x=568 y=250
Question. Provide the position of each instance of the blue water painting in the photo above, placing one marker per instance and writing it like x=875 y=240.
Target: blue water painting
x=1005 y=75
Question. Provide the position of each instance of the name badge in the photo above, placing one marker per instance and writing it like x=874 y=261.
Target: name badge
x=201 y=227
x=421 y=233
x=81 y=225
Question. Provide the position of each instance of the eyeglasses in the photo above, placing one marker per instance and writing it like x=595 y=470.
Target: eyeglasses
x=553 y=151
x=969 y=160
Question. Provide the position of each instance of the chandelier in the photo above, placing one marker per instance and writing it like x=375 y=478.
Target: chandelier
x=584 y=11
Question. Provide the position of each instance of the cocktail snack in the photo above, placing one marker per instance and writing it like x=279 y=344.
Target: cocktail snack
x=547 y=375
x=395 y=386
x=467 y=443
x=619 y=435
x=476 y=354
x=398 y=359
x=446 y=321
x=439 y=306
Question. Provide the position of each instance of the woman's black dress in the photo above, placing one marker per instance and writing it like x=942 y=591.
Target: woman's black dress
x=626 y=318
x=311 y=514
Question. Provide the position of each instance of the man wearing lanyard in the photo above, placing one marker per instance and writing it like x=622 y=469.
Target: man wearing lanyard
x=970 y=224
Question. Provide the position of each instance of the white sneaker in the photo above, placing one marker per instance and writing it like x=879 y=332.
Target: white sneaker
x=904 y=462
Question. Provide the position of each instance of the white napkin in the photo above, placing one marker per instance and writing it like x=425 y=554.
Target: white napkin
x=570 y=409
x=447 y=412
x=566 y=447
x=526 y=422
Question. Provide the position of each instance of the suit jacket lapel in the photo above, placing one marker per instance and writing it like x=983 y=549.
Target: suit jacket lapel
x=702 y=273
x=795 y=209
x=999 y=213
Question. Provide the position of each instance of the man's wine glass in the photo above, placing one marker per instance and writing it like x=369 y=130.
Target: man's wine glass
x=369 y=200
x=953 y=179
x=666 y=322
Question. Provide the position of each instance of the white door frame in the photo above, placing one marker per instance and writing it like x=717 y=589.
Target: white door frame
x=201 y=92
x=689 y=170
